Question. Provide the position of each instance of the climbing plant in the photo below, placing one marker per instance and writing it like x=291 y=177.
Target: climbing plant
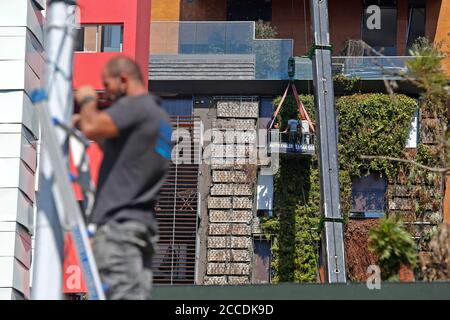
x=373 y=124
x=367 y=122
x=295 y=229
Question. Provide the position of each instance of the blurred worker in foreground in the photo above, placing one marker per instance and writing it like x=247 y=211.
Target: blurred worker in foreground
x=135 y=135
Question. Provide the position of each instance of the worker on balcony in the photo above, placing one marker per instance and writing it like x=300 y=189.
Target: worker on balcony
x=135 y=135
x=292 y=130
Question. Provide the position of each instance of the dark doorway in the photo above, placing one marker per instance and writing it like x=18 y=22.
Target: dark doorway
x=416 y=21
x=261 y=268
x=249 y=10
x=383 y=39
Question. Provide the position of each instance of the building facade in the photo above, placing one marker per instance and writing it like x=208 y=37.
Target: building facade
x=216 y=74
x=21 y=62
x=206 y=62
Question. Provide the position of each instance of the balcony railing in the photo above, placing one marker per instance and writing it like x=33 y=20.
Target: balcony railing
x=218 y=38
x=364 y=67
x=282 y=142
x=271 y=55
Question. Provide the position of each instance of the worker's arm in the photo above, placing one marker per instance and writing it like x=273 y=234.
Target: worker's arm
x=95 y=125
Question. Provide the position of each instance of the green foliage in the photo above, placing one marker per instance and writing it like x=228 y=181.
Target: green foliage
x=428 y=74
x=296 y=227
x=264 y=30
x=366 y=123
x=369 y=124
x=427 y=71
x=373 y=124
x=269 y=59
x=394 y=247
x=348 y=84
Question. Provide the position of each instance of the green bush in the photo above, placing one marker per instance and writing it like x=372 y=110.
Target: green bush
x=373 y=124
x=393 y=246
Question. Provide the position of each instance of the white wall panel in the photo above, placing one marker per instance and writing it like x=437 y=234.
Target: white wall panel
x=13 y=47
x=16 y=145
x=18 y=75
x=19 y=44
x=10 y=294
x=22 y=13
x=15 y=206
x=16 y=107
x=15 y=241
x=15 y=174
x=15 y=275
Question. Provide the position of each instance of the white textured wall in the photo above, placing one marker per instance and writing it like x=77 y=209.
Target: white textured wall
x=21 y=64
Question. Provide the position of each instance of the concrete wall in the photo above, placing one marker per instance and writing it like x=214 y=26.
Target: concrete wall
x=165 y=10
x=438 y=25
x=21 y=62
x=288 y=16
x=135 y=16
x=230 y=201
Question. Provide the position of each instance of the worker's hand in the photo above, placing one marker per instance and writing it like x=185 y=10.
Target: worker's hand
x=85 y=92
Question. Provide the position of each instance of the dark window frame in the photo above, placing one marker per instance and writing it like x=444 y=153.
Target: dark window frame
x=369 y=189
x=100 y=45
x=383 y=4
x=420 y=5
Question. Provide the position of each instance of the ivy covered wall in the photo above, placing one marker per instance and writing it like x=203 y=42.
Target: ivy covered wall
x=369 y=124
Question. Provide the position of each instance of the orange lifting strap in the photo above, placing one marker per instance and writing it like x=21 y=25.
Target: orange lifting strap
x=301 y=108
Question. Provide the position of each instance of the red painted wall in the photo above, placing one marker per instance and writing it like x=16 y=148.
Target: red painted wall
x=135 y=17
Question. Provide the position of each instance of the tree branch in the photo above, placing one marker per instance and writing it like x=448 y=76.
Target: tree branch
x=433 y=169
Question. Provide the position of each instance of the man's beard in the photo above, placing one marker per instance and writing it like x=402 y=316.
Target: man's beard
x=117 y=97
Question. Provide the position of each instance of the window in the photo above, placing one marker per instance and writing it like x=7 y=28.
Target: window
x=262 y=260
x=368 y=196
x=177 y=107
x=266 y=108
x=385 y=38
x=413 y=138
x=416 y=21
x=100 y=38
x=249 y=10
x=264 y=195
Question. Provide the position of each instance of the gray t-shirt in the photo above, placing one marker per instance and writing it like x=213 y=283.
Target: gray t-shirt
x=293 y=123
x=134 y=163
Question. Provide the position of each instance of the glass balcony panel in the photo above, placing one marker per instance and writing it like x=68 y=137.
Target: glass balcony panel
x=188 y=38
x=271 y=58
x=210 y=38
x=239 y=37
x=223 y=38
x=164 y=38
x=364 y=67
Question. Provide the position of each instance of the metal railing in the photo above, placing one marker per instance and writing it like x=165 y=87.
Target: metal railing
x=284 y=142
x=364 y=67
x=222 y=37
